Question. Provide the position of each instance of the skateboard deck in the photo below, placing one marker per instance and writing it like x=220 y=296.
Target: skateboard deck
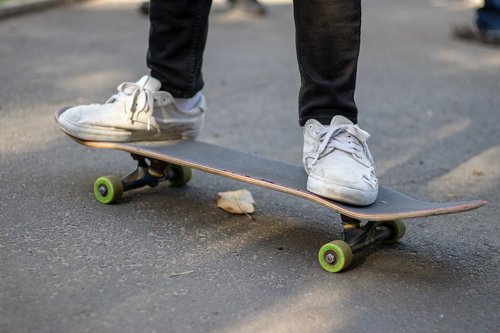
x=173 y=161
x=282 y=177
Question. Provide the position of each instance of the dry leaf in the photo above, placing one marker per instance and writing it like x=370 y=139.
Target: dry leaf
x=236 y=202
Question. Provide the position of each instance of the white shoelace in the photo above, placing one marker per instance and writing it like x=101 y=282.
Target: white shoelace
x=136 y=99
x=348 y=138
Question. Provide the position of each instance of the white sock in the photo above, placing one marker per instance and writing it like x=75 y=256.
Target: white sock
x=187 y=104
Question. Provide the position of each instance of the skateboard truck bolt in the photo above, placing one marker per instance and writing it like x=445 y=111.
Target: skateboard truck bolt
x=330 y=258
x=103 y=190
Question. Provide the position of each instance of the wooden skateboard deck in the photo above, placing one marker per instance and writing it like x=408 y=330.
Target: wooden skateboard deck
x=282 y=177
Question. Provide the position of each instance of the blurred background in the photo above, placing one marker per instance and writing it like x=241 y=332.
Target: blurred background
x=69 y=264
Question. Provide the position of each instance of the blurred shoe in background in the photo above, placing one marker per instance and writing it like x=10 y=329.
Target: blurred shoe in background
x=486 y=28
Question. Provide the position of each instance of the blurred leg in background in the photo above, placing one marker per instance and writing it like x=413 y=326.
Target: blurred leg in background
x=486 y=28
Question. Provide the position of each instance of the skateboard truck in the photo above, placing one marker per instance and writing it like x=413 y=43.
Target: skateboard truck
x=359 y=237
x=149 y=172
x=337 y=255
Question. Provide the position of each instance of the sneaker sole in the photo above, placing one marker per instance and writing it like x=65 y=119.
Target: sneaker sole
x=116 y=135
x=341 y=193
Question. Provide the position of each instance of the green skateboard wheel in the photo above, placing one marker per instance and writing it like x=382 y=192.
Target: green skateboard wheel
x=398 y=230
x=108 y=189
x=335 y=256
x=181 y=175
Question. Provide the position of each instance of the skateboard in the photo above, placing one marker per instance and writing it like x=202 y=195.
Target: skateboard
x=381 y=222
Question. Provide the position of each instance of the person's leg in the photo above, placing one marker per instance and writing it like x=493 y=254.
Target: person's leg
x=488 y=17
x=335 y=154
x=177 y=38
x=486 y=27
x=327 y=40
x=168 y=104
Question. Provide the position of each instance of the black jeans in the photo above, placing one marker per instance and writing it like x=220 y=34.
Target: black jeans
x=327 y=42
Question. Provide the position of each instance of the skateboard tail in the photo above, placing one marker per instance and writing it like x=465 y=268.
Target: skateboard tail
x=451 y=208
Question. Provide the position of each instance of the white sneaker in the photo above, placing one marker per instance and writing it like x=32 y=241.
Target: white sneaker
x=138 y=112
x=338 y=162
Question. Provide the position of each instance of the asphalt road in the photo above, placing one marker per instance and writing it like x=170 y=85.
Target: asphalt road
x=70 y=264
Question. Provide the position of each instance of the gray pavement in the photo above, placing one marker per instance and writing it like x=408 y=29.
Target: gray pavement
x=10 y=8
x=70 y=264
